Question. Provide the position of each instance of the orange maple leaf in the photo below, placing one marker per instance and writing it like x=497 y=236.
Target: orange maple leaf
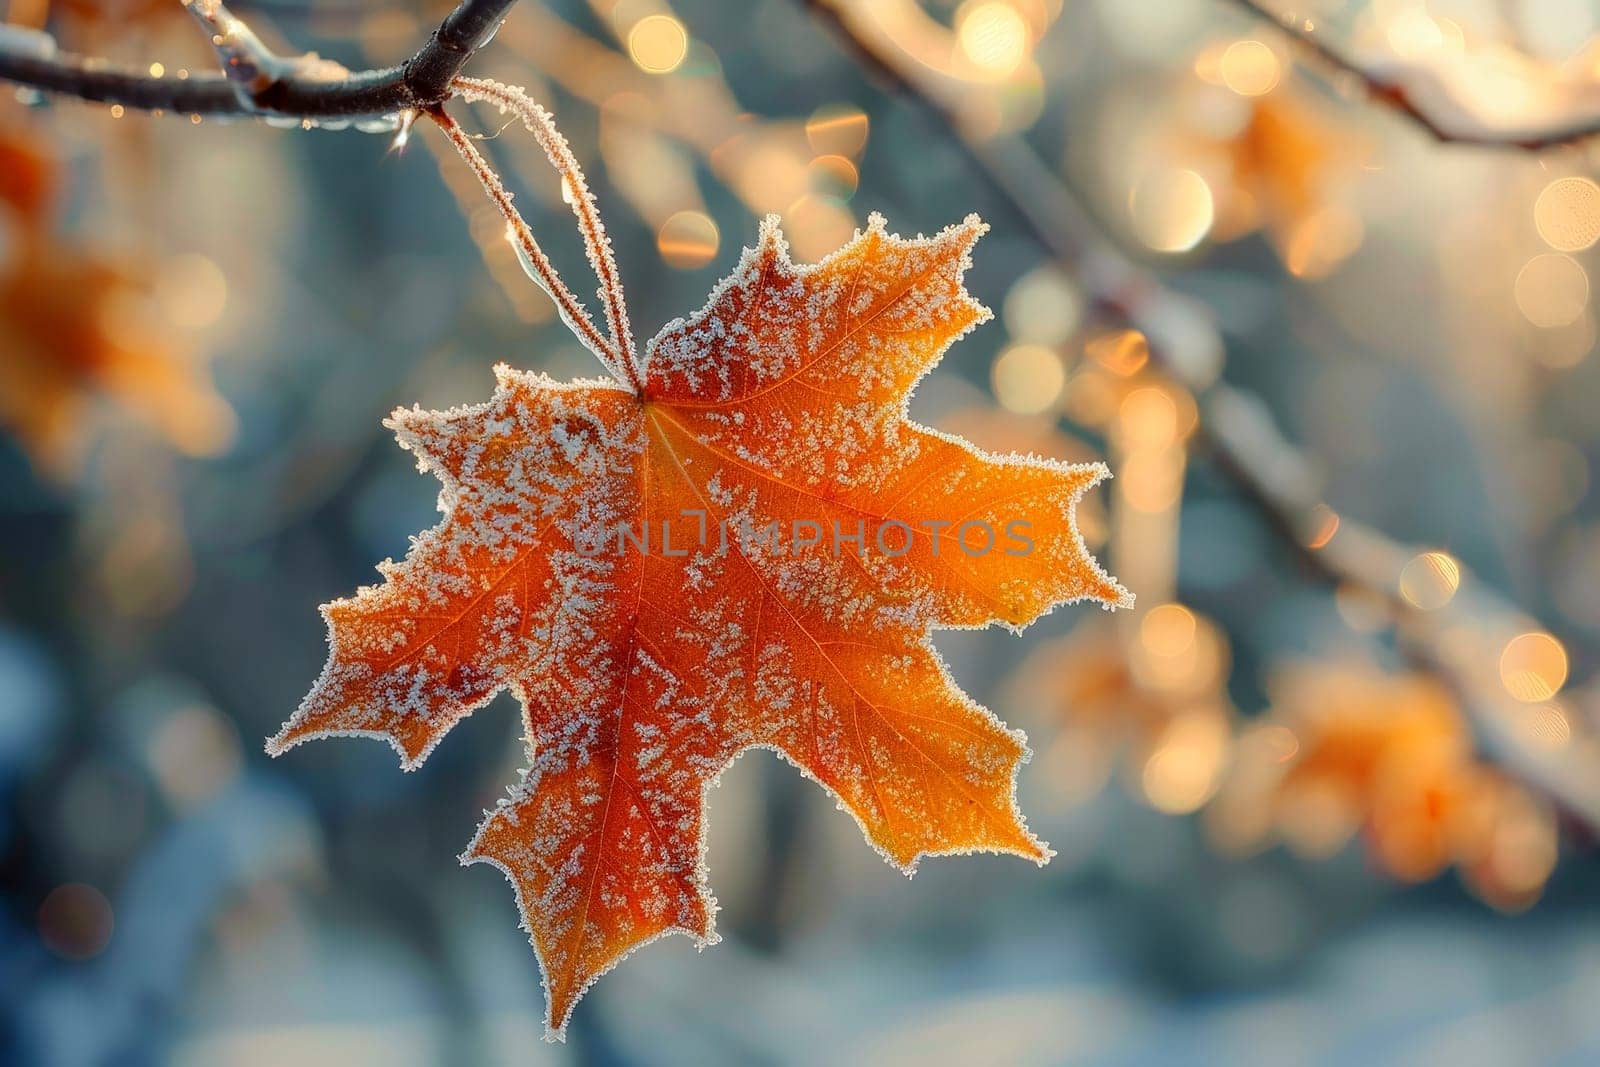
x=598 y=558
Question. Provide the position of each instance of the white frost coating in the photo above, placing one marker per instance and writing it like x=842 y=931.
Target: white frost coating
x=772 y=320
x=499 y=505
x=644 y=676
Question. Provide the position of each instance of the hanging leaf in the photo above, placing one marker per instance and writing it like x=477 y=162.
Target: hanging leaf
x=750 y=550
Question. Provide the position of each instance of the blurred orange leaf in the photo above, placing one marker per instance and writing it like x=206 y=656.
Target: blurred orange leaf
x=1280 y=164
x=28 y=175
x=1153 y=698
x=74 y=327
x=1351 y=750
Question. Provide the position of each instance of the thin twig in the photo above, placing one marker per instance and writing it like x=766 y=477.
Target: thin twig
x=1234 y=427
x=1424 y=97
x=306 y=90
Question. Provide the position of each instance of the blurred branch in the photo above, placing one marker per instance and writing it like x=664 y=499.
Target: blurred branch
x=254 y=82
x=1429 y=97
x=1236 y=429
x=1457 y=645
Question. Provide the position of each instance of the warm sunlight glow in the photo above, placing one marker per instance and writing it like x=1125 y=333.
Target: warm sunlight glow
x=1167 y=630
x=833 y=176
x=1430 y=580
x=658 y=44
x=993 y=36
x=1122 y=352
x=1172 y=210
x=1411 y=33
x=1028 y=378
x=1552 y=290
x=1043 y=307
x=1567 y=214
x=1533 y=667
x=1182 y=772
x=688 y=240
x=1149 y=418
x=1318 y=243
x=1250 y=68
x=837 y=130
x=1325 y=523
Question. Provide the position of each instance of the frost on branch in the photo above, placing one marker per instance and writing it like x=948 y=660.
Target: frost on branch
x=644 y=669
x=250 y=66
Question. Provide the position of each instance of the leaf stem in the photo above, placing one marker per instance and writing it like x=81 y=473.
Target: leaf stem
x=538 y=121
x=571 y=309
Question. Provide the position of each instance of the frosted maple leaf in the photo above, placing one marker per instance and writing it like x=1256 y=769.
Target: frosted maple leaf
x=645 y=669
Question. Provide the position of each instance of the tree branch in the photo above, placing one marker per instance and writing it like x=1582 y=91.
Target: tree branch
x=297 y=87
x=1238 y=433
x=1434 y=98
